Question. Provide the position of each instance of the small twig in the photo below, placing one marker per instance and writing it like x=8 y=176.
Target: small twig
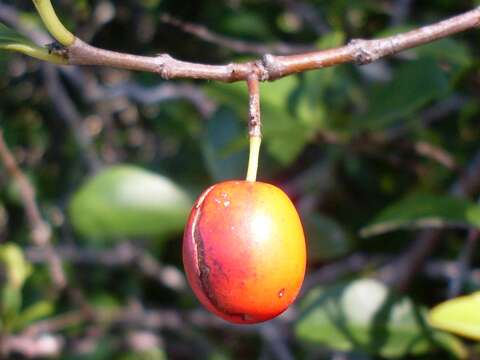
x=276 y=343
x=332 y=272
x=157 y=94
x=69 y=113
x=40 y=230
x=435 y=153
x=400 y=11
x=463 y=264
x=239 y=46
x=124 y=254
x=309 y=14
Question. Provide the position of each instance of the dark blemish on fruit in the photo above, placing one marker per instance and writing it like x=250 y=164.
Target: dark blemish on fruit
x=203 y=268
x=281 y=293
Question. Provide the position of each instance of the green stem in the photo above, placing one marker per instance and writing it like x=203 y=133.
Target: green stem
x=255 y=142
x=52 y=22
x=36 y=52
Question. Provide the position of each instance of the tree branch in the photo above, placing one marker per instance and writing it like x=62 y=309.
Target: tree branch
x=40 y=230
x=272 y=67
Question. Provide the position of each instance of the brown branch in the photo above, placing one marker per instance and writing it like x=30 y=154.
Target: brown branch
x=272 y=67
x=40 y=230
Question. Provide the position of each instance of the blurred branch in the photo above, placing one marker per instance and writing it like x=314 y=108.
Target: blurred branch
x=400 y=12
x=464 y=263
x=157 y=94
x=67 y=111
x=60 y=99
x=309 y=14
x=332 y=272
x=402 y=271
x=40 y=230
x=124 y=254
x=239 y=46
x=42 y=346
x=272 y=67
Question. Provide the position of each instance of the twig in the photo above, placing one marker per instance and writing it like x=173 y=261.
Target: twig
x=124 y=254
x=239 y=46
x=463 y=264
x=69 y=113
x=272 y=67
x=309 y=14
x=332 y=272
x=157 y=94
x=40 y=230
x=400 y=11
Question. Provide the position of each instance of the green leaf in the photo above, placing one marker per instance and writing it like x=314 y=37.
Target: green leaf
x=460 y=316
x=424 y=211
x=17 y=268
x=326 y=238
x=365 y=316
x=129 y=201
x=33 y=313
x=285 y=133
x=414 y=84
x=10 y=37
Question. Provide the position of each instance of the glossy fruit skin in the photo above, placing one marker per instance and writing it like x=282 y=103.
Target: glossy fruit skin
x=244 y=251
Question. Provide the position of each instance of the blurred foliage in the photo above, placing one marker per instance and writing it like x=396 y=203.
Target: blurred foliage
x=375 y=148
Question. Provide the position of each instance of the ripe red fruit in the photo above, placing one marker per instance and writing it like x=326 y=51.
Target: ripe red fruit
x=244 y=251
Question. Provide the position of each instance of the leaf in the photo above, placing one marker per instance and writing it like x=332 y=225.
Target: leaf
x=424 y=211
x=285 y=133
x=17 y=268
x=326 y=238
x=365 y=316
x=33 y=313
x=460 y=316
x=414 y=84
x=225 y=146
x=129 y=201
x=9 y=37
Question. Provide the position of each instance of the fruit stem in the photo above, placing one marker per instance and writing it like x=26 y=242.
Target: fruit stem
x=255 y=142
x=53 y=23
x=254 y=126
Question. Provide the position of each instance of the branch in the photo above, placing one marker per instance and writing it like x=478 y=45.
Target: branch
x=124 y=254
x=272 y=67
x=40 y=230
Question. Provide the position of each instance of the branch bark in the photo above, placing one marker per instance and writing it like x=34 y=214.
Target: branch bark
x=271 y=67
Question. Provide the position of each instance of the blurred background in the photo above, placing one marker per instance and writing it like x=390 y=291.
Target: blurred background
x=382 y=161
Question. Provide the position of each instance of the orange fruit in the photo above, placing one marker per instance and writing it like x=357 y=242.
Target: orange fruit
x=244 y=251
